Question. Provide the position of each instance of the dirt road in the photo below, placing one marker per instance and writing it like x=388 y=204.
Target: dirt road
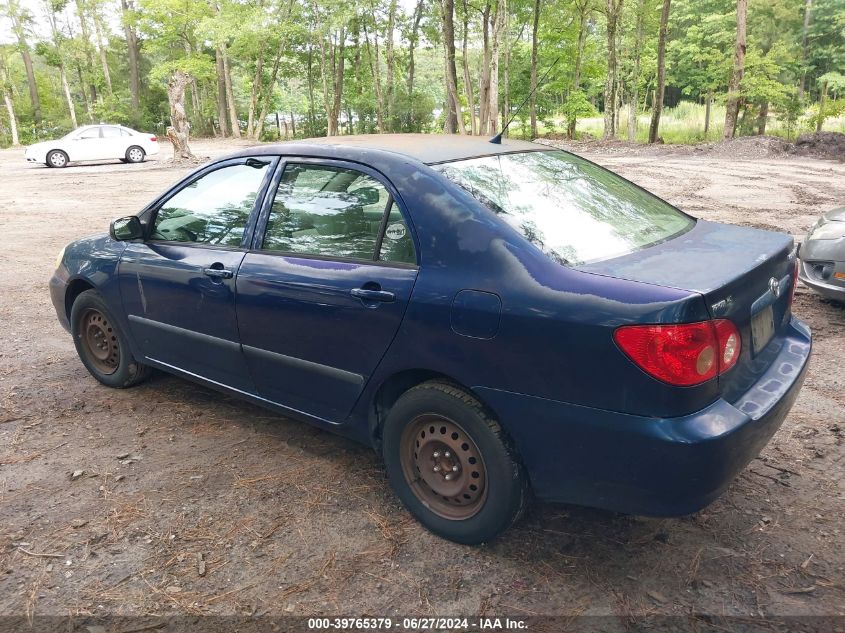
x=290 y=520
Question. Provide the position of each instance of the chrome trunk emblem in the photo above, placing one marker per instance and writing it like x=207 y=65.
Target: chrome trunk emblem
x=774 y=286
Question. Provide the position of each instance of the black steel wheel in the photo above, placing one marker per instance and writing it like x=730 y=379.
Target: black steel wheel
x=101 y=346
x=452 y=465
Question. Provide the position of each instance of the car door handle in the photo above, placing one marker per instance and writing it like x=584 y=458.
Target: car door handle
x=218 y=273
x=372 y=295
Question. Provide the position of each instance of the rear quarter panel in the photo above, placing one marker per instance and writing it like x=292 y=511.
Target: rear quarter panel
x=555 y=330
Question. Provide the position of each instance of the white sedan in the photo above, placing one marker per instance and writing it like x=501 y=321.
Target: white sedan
x=94 y=142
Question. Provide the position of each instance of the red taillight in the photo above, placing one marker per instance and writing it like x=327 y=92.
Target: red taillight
x=153 y=139
x=682 y=354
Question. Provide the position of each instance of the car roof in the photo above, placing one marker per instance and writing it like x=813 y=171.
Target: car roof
x=426 y=148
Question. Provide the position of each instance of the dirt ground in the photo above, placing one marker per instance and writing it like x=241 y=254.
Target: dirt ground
x=291 y=520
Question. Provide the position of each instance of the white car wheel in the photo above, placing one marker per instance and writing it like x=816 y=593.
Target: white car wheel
x=135 y=154
x=57 y=158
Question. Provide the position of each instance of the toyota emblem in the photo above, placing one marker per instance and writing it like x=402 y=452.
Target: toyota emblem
x=774 y=286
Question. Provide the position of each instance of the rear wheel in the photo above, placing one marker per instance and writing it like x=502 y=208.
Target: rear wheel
x=101 y=346
x=135 y=155
x=451 y=464
x=57 y=158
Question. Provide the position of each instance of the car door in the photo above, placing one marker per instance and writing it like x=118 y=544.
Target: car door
x=114 y=142
x=325 y=288
x=86 y=145
x=178 y=285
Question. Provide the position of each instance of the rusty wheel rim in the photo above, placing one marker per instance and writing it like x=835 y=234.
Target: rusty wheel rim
x=99 y=341
x=443 y=467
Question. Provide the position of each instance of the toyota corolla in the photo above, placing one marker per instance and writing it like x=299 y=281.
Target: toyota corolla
x=493 y=318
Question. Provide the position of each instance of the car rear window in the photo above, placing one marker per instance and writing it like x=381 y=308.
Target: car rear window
x=574 y=211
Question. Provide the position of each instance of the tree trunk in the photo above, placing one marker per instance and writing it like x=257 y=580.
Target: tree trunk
x=30 y=79
x=454 y=119
x=312 y=119
x=104 y=61
x=221 y=94
x=84 y=92
x=256 y=87
x=633 y=106
x=732 y=106
x=707 y=107
x=268 y=94
x=506 y=98
x=338 y=78
x=66 y=89
x=375 y=64
x=533 y=100
x=808 y=11
x=86 y=45
x=473 y=129
x=230 y=95
x=660 y=89
x=178 y=131
x=498 y=21
x=412 y=43
x=762 y=118
x=583 y=8
x=6 y=88
x=391 y=66
x=484 y=77
x=13 y=124
x=57 y=41
x=822 y=104
x=133 y=54
x=324 y=75
x=614 y=8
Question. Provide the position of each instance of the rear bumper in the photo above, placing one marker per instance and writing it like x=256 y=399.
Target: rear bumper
x=651 y=466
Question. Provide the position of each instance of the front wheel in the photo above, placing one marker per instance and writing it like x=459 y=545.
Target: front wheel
x=57 y=158
x=451 y=464
x=101 y=346
x=135 y=155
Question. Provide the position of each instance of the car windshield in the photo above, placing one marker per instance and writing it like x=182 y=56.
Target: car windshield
x=574 y=211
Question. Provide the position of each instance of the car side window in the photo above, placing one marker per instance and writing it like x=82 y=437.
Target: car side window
x=111 y=132
x=328 y=211
x=397 y=245
x=93 y=132
x=214 y=209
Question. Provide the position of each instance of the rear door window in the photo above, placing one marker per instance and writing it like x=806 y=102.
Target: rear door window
x=327 y=211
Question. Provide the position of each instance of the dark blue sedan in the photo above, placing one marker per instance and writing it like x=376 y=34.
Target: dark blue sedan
x=492 y=318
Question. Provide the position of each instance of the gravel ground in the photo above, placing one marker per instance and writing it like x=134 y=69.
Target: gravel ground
x=291 y=520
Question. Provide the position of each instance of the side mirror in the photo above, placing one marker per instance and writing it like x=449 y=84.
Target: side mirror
x=128 y=228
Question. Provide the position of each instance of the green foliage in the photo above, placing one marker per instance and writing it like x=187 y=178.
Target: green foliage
x=280 y=51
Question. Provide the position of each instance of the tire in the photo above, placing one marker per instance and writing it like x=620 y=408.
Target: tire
x=487 y=491
x=101 y=346
x=135 y=154
x=57 y=158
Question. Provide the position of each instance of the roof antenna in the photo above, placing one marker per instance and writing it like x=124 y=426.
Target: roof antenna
x=497 y=140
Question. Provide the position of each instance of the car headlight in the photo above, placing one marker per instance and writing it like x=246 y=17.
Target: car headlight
x=60 y=257
x=828 y=231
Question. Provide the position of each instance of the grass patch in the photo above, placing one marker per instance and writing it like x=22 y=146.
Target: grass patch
x=683 y=124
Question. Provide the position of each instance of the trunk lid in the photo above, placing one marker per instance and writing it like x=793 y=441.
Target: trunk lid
x=733 y=268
